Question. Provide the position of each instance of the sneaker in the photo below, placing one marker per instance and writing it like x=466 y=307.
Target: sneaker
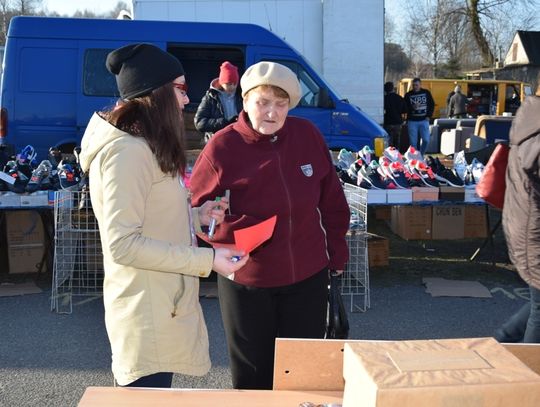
x=40 y=179
x=343 y=176
x=443 y=174
x=393 y=154
x=27 y=156
x=369 y=178
x=68 y=176
x=413 y=154
x=55 y=156
x=20 y=179
x=345 y=159
x=395 y=172
x=477 y=170
x=353 y=170
x=366 y=154
x=424 y=173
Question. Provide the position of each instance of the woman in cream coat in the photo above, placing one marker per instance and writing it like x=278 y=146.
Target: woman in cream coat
x=135 y=159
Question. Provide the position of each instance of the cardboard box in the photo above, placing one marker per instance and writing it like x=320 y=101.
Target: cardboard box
x=376 y=196
x=425 y=194
x=25 y=241
x=471 y=195
x=397 y=196
x=448 y=222
x=378 y=250
x=475 y=222
x=10 y=200
x=25 y=258
x=383 y=212
x=449 y=193
x=412 y=222
x=38 y=198
x=476 y=372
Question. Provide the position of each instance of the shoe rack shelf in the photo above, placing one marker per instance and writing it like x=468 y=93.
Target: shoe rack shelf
x=355 y=279
x=78 y=258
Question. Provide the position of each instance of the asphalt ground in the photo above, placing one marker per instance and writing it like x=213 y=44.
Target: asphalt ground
x=48 y=359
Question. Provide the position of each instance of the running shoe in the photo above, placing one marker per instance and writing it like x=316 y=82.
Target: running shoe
x=369 y=178
x=68 y=176
x=20 y=179
x=443 y=174
x=413 y=154
x=353 y=170
x=345 y=159
x=477 y=170
x=423 y=172
x=27 y=156
x=343 y=176
x=394 y=171
x=393 y=154
x=40 y=179
x=367 y=154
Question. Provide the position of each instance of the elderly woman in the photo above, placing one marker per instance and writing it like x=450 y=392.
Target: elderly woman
x=274 y=165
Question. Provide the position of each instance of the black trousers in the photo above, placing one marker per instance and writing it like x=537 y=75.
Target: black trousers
x=254 y=317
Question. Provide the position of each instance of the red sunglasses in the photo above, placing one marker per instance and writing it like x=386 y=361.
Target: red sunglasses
x=182 y=86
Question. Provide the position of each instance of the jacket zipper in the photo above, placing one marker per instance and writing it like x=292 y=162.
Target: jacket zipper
x=290 y=210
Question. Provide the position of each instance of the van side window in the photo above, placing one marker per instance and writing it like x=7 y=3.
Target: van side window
x=310 y=89
x=97 y=80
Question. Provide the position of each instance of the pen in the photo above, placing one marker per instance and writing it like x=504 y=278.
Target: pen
x=212 y=226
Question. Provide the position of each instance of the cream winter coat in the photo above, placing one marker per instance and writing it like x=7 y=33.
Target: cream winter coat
x=150 y=291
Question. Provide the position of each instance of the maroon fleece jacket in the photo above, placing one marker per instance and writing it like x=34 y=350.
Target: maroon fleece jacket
x=289 y=174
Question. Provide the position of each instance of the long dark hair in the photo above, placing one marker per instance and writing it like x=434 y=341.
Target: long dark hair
x=158 y=119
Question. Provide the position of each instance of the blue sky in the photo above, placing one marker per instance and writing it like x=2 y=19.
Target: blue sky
x=68 y=7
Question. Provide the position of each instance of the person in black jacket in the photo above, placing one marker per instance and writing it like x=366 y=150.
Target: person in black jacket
x=221 y=104
x=394 y=108
x=420 y=106
x=521 y=218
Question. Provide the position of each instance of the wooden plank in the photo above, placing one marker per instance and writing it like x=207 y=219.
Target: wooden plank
x=138 y=397
x=307 y=364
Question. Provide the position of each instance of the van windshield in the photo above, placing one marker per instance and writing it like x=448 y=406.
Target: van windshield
x=311 y=89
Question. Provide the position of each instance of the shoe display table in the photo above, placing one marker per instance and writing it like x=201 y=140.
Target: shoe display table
x=133 y=397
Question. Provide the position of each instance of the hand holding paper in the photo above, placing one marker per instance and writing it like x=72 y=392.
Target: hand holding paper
x=249 y=238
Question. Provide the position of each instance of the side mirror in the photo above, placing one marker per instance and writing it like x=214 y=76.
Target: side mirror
x=325 y=100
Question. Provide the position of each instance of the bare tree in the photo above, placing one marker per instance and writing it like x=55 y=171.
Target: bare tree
x=483 y=13
x=428 y=31
x=26 y=7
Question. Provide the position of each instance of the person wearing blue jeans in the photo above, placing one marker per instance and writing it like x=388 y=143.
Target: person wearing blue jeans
x=419 y=134
x=524 y=325
x=521 y=218
x=420 y=106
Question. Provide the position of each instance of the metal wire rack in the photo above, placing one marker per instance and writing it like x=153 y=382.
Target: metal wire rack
x=355 y=280
x=78 y=258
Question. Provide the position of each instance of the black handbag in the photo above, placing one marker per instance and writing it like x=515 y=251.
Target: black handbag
x=337 y=323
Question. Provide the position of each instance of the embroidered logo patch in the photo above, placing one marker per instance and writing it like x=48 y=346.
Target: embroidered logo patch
x=307 y=169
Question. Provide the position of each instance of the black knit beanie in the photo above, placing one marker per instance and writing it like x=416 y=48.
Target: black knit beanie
x=141 y=68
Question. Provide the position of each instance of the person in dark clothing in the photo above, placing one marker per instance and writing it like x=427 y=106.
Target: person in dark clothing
x=221 y=103
x=274 y=164
x=420 y=106
x=521 y=218
x=458 y=104
x=394 y=109
x=450 y=94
